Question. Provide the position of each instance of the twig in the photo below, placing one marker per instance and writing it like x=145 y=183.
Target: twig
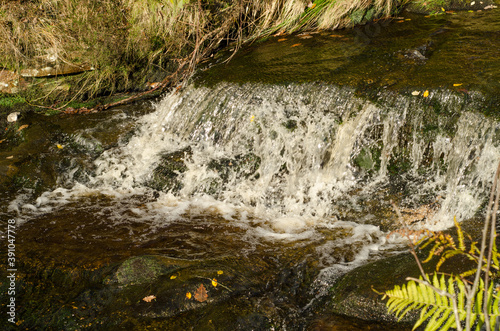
x=412 y=246
x=490 y=221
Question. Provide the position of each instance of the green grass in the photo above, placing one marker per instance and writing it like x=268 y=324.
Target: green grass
x=131 y=42
x=9 y=101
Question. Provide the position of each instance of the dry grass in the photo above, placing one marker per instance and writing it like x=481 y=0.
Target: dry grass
x=126 y=37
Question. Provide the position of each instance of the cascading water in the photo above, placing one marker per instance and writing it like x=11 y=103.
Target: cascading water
x=291 y=159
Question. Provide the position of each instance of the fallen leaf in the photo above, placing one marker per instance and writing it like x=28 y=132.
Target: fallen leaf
x=426 y=94
x=407 y=19
x=336 y=36
x=10 y=157
x=1 y=141
x=60 y=146
x=153 y=85
x=306 y=37
x=173 y=277
x=400 y=21
x=252 y=118
x=214 y=282
x=279 y=33
x=415 y=93
x=149 y=298
x=443 y=9
x=22 y=127
x=460 y=84
x=282 y=39
x=188 y=295
x=311 y=5
x=201 y=294
x=295 y=45
x=220 y=272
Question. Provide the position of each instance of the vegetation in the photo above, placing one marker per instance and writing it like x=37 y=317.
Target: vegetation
x=130 y=42
x=451 y=301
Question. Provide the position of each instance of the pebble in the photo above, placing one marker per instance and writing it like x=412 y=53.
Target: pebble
x=12 y=117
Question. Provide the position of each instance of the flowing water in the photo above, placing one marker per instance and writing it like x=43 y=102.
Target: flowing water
x=283 y=187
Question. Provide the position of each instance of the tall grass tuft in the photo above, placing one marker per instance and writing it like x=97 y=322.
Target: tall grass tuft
x=127 y=39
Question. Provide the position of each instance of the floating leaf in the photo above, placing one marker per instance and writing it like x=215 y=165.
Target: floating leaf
x=443 y=9
x=415 y=93
x=214 y=282
x=10 y=157
x=188 y=295
x=201 y=294
x=22 y=127
x=295 y=45
x=282 y=39
x=60 y=146
x=457 y=84
x=173 y=277
x=149 y=298
x=1 y=141
x=220 y=272
x=426 y=94
x=252 y=118
x=336 y=36
x=307 y=36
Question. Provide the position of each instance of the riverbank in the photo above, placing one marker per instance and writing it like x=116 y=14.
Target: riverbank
x=58 y=54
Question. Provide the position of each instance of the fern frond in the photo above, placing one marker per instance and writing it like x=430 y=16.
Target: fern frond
x=436 y=308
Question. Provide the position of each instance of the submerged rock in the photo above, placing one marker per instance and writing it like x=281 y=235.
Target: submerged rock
x=355 y=293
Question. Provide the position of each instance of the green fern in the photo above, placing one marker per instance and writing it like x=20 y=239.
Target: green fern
x=436 y=302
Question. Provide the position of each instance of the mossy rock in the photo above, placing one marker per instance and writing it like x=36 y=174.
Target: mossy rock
x=354 y=293
x=143 y=269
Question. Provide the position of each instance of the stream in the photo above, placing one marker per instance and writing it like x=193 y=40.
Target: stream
x=238 y=202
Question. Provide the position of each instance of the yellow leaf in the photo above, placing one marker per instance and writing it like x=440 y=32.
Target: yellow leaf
x=295 y=45
x=457 y=84
x=282 y=39
x=60 y=146
x=443 y=9
x=252 y=118
x=214 y=282
x=173 y=277
x=220 y=272
x=188 y=295
x=426 y=94
x=149 y=298
x=22 y=127
x=407 y=19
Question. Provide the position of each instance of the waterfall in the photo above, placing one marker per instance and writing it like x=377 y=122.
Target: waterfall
x=301 y=154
